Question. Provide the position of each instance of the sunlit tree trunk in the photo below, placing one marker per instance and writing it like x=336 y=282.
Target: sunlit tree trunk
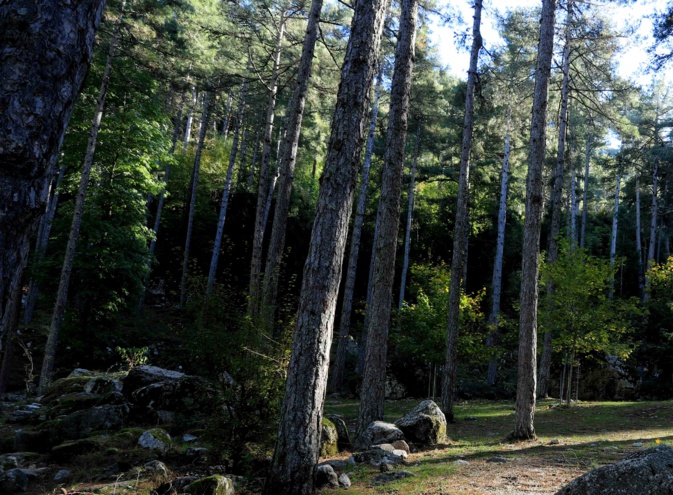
x=372 y=393
x=653 y=224
x=263 y=187
x=224 y=204
x=287 y=162
x=227 y=117
x=190 y=121
x=45 y=48
x=499 y=252
x=556 y=205
x=639 y=244
x=461 y=229
x=526 y=381
x=339 y=370
x=297 y=446
x=192 y=201
x=585 y=194
x=613 y=237
x=66 y=270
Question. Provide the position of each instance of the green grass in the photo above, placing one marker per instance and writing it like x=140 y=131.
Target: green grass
x=589 y=435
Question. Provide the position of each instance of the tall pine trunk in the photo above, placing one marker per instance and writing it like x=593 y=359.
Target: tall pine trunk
x=287 y=165
x=224 y=204
x=499 y=252
x=297 y=446
x=556 y=205
x=613 y=236
x=525 y=394
x=461 y=229
x=227 y=117
x=254 y=290
x=192 y=200
x=653 y=224
x=339 y=370
x=639 y=244
x=410 y=211
x=372 y=392
x=190 y=120
x=585 y=193
x=66 y=270
x=45 y=48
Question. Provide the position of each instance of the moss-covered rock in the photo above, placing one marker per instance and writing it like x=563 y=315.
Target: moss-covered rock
x=156 y=439
x=328 y=439
x=425 y=425
x=212 y=485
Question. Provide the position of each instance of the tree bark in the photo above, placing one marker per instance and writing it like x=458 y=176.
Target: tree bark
x=373 y=390
x=192 y=201
x=556 y=205
x=254 y=291
x=287 y=165
x=226 y=191
x=45 y=48
x=190 y=119
x=227 y=117
x=526 y=381
x=297 y=445
x=613 y=237
x=66 y=270
x=410 y=211
x=461 y=229
x=339 y=370
x=585 y=193
x=499 y=252
x=639 y=244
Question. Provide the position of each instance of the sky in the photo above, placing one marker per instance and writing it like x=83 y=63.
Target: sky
x=631 y=63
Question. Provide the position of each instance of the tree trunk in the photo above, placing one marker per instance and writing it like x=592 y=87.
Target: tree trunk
x=410 y=211
x=499 y=252
x=613 y=237
x=339 y=370
x=525 y=394
x=45 y=48
x=556 y=206
x=192 y=200
x=41 y=245
x=573 y=205
x=585 y=193
x=254 y=291
x=639 y=244
x=226 y=191
x=297 y=445
x=251 y=177
x=461 y=229
x=373 y=390
x=227 y=117
x=66 y=270
x=653 y=225
x=287 y=165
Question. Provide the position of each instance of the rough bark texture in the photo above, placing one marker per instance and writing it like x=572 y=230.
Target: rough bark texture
x=297 y=446
x=410 y=211
x=585 y=193
x=461 y=228
x=45 y=49
x=263 y=187
x=224 y=204
x=339 y=370
x=639 y=244
x=497 y=264
x=73 y=236
x=525 y=393
x=287 y=164
x=373 y=390
x=192 y=200
x=556 y=206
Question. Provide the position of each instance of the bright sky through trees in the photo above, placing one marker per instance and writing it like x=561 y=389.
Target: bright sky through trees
x=632 y=63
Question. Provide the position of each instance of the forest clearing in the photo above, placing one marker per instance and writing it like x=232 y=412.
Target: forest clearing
x=243 y=243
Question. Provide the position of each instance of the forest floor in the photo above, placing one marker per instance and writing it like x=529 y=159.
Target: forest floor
x=571 y=441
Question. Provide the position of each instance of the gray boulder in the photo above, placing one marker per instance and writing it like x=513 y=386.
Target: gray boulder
x=425 y=425
x=376 y=457
x=328 y=439
x=384 y=478
x=155 y=439
x=344 y=440
x=648 y=472
x=141 y=376
x=212 y=485
x=344 y=481
x=82 y=423
x=326 y=476
x=377 y=433
x=13 y=481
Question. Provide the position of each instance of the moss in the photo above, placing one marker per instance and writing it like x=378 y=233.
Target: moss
x=65 y=386
x=328 y=439
x=161 y=435
x=212 y=485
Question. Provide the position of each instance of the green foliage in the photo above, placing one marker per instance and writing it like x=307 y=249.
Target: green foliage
x=132 y=356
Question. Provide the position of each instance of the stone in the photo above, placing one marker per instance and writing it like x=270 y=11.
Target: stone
x=386 y=467
x=375 y=457
x=156 y=468
x=555 y=441
x=16 y=459
x=646 y=472
x=79 y=372
x=425 y=425
x=212 y=485
x=340 y=465
x=196 y=452
x=186 y=438
x=141 y=376
x=638 y=444
x=402 y=445
x=497 y=459
x=82 y=423
x=155 y=439
x=344 y=440
x=14 y=480
x=328 y=439
x=344 y=481
x=384 y=446
x=400 y=453
x=175 y=486
x=384 y=478
x=461 y=462
x=326 y=476
x=62 y=475
x=377 y=433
